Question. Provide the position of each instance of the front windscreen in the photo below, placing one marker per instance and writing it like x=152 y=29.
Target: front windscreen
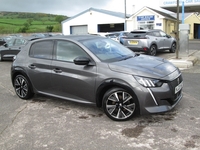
x=107 y=50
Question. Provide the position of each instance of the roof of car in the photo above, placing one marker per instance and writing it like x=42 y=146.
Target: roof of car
x=150 y=30
x=75 y=37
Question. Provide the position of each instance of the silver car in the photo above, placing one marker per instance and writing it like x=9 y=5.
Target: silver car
x=150 y=41
x=97 y=70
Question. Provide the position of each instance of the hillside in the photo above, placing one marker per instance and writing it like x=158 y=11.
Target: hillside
x=21 y=22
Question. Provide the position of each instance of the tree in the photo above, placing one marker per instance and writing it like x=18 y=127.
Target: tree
x=59 y=18
x=57 y=28
x=24 y=28
x=49 y=28
x=29 y=21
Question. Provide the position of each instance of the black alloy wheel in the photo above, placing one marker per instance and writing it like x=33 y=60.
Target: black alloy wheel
x=22 y=87
x=118 y=104
x=153 y=50
x=173 y=48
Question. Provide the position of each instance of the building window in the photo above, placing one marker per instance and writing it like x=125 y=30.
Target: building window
x=144 y=25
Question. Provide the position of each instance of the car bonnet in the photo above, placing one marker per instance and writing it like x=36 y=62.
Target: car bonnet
x=146 y=66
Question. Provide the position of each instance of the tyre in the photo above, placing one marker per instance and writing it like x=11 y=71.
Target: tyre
x=173 y=48
x=152 y=50
x=119 y=104
x=22 y=87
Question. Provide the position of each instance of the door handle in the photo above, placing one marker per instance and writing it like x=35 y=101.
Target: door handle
x=56 y=70
x=32 y=66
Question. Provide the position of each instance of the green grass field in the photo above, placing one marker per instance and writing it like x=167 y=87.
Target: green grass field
x=12 y=22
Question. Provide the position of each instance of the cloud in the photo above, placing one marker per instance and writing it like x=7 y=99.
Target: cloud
x=73 y=7
x=62 y=7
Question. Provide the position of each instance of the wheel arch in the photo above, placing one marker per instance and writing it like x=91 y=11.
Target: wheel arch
x=111 y=83
x=153 y=43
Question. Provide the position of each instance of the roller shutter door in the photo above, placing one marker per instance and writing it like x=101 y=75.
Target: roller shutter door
x=79 y=29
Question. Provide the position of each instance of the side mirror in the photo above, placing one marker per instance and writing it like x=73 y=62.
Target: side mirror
x=5 y=44
x=81 y=60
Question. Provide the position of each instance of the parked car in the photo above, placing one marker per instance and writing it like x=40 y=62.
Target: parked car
x=12 y=47
x=5 y=39
x=122 y=35
x=117 y=36
x=97 y=70
x=112 y=35
x=150 y=41
x=2 y=41
x=38 y=35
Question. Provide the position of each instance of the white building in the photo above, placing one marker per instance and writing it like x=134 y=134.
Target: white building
x=97 y=20
x=148 y=18
x=93 y=21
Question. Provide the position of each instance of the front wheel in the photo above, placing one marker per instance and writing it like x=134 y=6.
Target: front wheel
x=22 y=87
x=153 y=50
x=119 y=104
x=173 y=48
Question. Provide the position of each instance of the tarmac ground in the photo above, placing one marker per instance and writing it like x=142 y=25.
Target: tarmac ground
x=44 y=123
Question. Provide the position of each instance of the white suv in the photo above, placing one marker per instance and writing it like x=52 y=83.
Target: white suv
x=150 y=41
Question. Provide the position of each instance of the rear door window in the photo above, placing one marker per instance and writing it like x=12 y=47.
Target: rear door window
x=42 y=49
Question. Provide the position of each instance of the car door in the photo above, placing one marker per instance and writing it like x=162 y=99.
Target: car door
x=166 y=40
x=159 y=40
x=39 y=65
x=71 y=81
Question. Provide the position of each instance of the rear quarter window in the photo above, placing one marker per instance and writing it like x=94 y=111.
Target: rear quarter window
x=42 y=49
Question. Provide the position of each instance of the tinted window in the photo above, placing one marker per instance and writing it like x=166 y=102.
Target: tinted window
x=11 y=42
x=137 y=34
x=151 y=34
x=125 y=33
x=157 y=34
x=68 y=51
x=20 y=42
x=42 y=49
x=163 y=34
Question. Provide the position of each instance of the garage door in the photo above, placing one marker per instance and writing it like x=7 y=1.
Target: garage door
x=79 y=29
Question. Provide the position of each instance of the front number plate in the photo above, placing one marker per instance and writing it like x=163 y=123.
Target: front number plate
x=178 y=87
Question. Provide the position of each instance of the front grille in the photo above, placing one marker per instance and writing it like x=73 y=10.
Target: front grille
x=174 y=97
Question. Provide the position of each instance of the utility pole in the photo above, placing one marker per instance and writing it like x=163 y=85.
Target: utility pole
x=177 y=33
x=125 y=23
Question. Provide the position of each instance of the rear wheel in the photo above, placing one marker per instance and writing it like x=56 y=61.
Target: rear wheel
x=22 y=87
x=152 y=50
x=119 y=104
x=173 y=48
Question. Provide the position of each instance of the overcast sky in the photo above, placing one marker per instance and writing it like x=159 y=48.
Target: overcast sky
x=73 y=7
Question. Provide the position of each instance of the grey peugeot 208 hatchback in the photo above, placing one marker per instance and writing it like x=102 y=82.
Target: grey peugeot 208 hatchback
x=97 y=70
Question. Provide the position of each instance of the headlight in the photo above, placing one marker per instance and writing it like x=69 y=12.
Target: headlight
x=148 y=82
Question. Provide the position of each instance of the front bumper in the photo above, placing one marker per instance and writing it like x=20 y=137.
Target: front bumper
x=163 y=108
x=161 y=99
